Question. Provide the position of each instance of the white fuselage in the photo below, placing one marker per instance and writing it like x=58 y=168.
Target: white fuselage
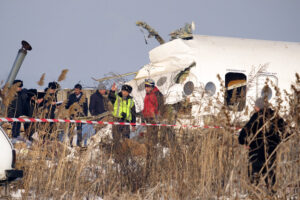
x=256 y=60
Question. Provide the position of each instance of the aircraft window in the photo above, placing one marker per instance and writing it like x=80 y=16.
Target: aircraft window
x=266 y=92
x=235 y=94
x=188 y=88
x=141 y=86
x=161 y=81
x=210 y=88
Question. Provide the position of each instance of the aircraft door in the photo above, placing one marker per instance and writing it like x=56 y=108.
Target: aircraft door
x=236 y=87
x=262 y=89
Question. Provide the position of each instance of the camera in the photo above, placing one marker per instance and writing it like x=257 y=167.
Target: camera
x=123 y=115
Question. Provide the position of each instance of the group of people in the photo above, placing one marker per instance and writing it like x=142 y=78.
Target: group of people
x=30 y=103
x=261 y=135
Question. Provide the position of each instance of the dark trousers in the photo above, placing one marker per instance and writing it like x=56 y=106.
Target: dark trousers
x=52 y=126
x=120 y=131
x=257 y=169
x=79 y=134
x=152 y=139
x=16 y=126
x=29 y=130
x=152 y=132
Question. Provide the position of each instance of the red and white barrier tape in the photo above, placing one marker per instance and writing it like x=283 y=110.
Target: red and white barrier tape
x=6 y=119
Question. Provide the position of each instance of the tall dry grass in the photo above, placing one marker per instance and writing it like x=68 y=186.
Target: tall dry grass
x=197 y=164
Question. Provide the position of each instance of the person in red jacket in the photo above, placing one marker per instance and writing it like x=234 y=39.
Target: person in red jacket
x=153 y=109
x=152 y=112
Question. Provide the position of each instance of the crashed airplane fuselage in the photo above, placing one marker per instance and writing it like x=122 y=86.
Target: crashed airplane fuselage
x=188 y=69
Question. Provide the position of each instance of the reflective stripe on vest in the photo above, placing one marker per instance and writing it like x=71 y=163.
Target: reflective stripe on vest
x=123 y=106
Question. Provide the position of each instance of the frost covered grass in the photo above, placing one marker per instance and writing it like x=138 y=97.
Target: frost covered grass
x=207 y=164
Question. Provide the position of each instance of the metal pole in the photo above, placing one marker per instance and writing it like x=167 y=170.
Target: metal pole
x=18 y=62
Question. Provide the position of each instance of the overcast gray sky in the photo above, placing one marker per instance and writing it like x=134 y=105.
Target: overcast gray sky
x=92 y=38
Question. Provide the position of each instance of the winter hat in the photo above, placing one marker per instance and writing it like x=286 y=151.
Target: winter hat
x=78 y=86
x=41 y=95
x=18 y=81
x=101 y=86
x=149 y=82
x=127 y=88
x=53 y=85
x=32 y=92
x=260 y=103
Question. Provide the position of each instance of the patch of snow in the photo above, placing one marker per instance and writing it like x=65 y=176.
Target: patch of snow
x=17 y=194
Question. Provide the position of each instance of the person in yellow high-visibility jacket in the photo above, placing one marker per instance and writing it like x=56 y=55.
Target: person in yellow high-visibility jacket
x=124 y=111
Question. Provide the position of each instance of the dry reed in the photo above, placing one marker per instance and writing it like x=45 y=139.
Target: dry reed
x=41 y=82
x=63 y=75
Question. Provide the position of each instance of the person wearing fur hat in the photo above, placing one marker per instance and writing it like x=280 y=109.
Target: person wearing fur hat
x=123 y=111
x=49 y=103
x=261 y=135
x=16 y=108
x=50 y=99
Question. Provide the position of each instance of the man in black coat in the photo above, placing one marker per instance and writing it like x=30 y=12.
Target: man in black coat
x=50 y=100
x=31 y=110
x=17 y=107
x=49 y=104
x=79 y=98
x=262 y=134
x=97 y=105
